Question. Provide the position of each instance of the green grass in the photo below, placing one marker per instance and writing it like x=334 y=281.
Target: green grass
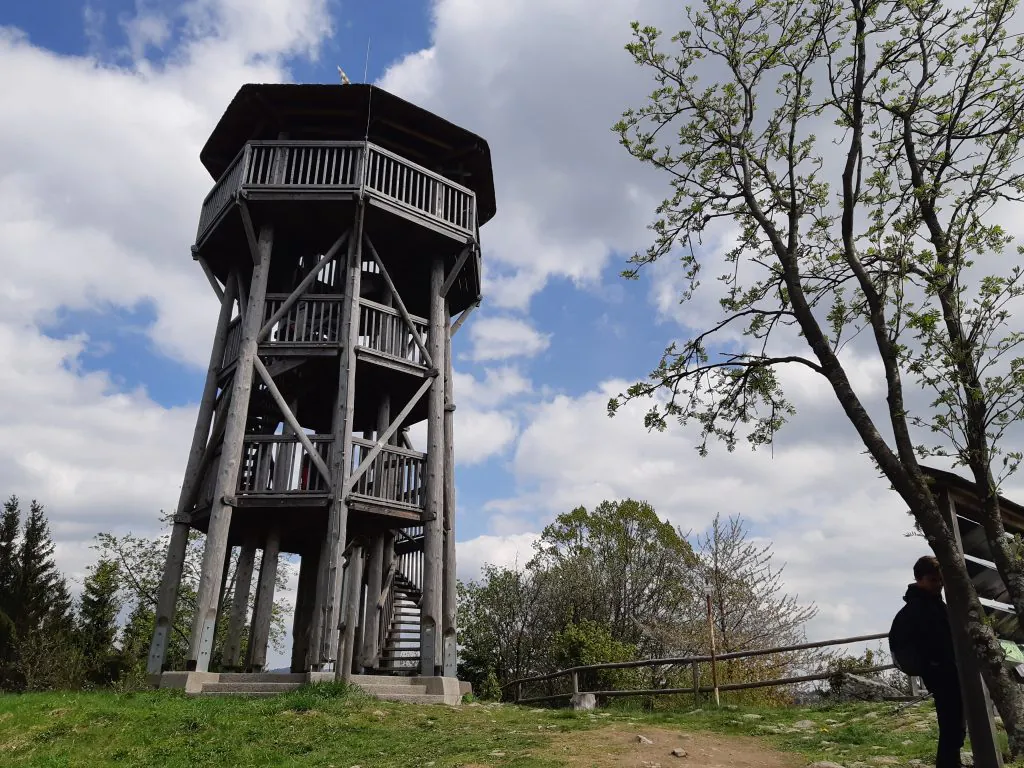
x=330 y=726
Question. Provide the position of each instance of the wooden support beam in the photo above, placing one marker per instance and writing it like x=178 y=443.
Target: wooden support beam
x=232 y=656
x=371 y=617
x=433 y=518
x=457 y=269
x=304 y=599
x=291 y=421
x=462 y=318
x=201 y=642
x=449 y=597
x=250 y=232
x=328 y=601
x=382 y=440
x=167 y=597
x=302 y=286
x=347 y=627
x=214 y=282
x=399 y=304
x=259 y=635
x=243 y=295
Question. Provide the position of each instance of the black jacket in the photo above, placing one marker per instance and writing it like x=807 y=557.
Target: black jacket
x=922 y=629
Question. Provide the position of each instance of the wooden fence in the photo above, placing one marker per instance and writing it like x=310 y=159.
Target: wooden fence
x=694 y=662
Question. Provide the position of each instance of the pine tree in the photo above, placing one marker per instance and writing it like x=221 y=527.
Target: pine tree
x=41 y=593
x=97 y=627
x=10 y=522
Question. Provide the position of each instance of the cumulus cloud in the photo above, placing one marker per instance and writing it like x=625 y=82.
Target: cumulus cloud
x=501 y=338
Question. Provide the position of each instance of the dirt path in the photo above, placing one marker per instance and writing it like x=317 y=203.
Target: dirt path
x=605 y=747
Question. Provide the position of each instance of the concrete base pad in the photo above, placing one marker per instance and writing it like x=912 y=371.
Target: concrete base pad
x=413 y=690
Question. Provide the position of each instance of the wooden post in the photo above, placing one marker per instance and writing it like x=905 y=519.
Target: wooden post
x=305 y=595
x=239 y=605
x=714 y=662
x=347 y=634
x=201 y=643
x=981 y=726
x=316 y=658
x=259 y=635
x=575 y=683
x=371 y=621
x=449 y=646
x=696 y=683
x=329 y=584
x=433 y=518
x=220 y=601
x=167 y=597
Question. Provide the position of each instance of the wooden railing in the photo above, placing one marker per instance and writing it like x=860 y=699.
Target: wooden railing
x=395 y=476
x=410 y=564
x=572 y=674
x=340 y=166
x=313 y=320
x=273 y=464
x=382 y=329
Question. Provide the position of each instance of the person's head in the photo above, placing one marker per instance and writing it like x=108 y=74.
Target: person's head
x=927 y=575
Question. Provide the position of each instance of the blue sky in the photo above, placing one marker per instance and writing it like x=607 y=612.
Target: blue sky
x=106 y=321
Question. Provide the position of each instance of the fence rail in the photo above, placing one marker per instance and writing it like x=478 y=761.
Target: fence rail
x=395 y=475
x=696 y=689
x=311 y=320
x=340 y=166
x=383 y=329
x=274 y=464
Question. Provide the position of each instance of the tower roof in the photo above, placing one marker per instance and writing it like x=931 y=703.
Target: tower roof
x=350 y=113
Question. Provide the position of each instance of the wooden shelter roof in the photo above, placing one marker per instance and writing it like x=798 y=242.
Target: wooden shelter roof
x=965 y=495
x=351 y=113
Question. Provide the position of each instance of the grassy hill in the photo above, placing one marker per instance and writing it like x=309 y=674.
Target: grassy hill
x=332 y=727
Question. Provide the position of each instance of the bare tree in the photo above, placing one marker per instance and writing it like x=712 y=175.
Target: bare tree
x=887 y=241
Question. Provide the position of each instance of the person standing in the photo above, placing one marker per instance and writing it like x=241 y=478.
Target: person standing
x=921 y=643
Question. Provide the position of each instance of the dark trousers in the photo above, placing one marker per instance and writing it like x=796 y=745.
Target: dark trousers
x=949 y=707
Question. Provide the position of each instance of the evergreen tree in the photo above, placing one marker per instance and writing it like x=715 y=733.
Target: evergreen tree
x=97 y=626
x=42 y=594
x=10 y=522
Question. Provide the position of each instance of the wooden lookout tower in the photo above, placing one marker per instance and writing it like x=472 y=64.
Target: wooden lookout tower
x=341 y=237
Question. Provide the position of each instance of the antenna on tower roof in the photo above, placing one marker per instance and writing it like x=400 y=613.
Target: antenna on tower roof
x=369 y=96
x=344 y=77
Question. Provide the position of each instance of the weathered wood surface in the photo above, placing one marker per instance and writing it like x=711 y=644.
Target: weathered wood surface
x=347 y=629
x=449 y=599
x=232 y=655
x=259 y=634
x=399 y=304
x=201 y=642
x=433 y=519
x=372 y=618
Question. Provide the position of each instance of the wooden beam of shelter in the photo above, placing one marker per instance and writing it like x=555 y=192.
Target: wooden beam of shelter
x=462 y=317
x=214 y=282
x=290 y=419
x=243 y=296
x=301 y=287
x=250 y=231
x=383 y=438
x=456 y=270
x=399 y=303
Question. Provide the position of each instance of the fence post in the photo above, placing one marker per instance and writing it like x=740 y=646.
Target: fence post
x=575 y=683
x=519 y=692
x=696 y=684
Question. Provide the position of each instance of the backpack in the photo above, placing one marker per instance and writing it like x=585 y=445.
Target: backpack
x=903 y=646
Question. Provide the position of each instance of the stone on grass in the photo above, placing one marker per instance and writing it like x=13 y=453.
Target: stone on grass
x=885 y=760
x=803 y=724
x=824 y=764
x=641 y=739
x=679 y=752
x=967 y=758
x=751 y=717
x=584 y=702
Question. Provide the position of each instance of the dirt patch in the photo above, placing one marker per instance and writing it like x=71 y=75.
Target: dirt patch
x=605 y=747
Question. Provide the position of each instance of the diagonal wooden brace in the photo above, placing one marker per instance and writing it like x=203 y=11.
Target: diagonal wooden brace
x=399 y=303
x=290 y=419
x=301 y=287
x=214 y=282
x=462 y=317
x=250 y=231
x=383 y=438
x=456 y=270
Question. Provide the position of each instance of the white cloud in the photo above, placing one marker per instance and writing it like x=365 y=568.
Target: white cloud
x=512 y=551
x=500 y=338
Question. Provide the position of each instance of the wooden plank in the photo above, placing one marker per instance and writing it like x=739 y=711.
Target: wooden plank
x=383 y=439
x=306 y=282
x=387 y=510
x=449 y=597
x=392 y=363
x=291 y=421
x=304 y=597
x=240 y=605
x=462 y=318
x=243 y=295
x=374 y=583
x=347 y=627
x=400 y=304
x=433 y=544
x=259 y=635
x=214 y=282
x=250 y=232
x=282 y=500
x=201 y=641
x=456 y=270
x=170 y=580
x=329 y=584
